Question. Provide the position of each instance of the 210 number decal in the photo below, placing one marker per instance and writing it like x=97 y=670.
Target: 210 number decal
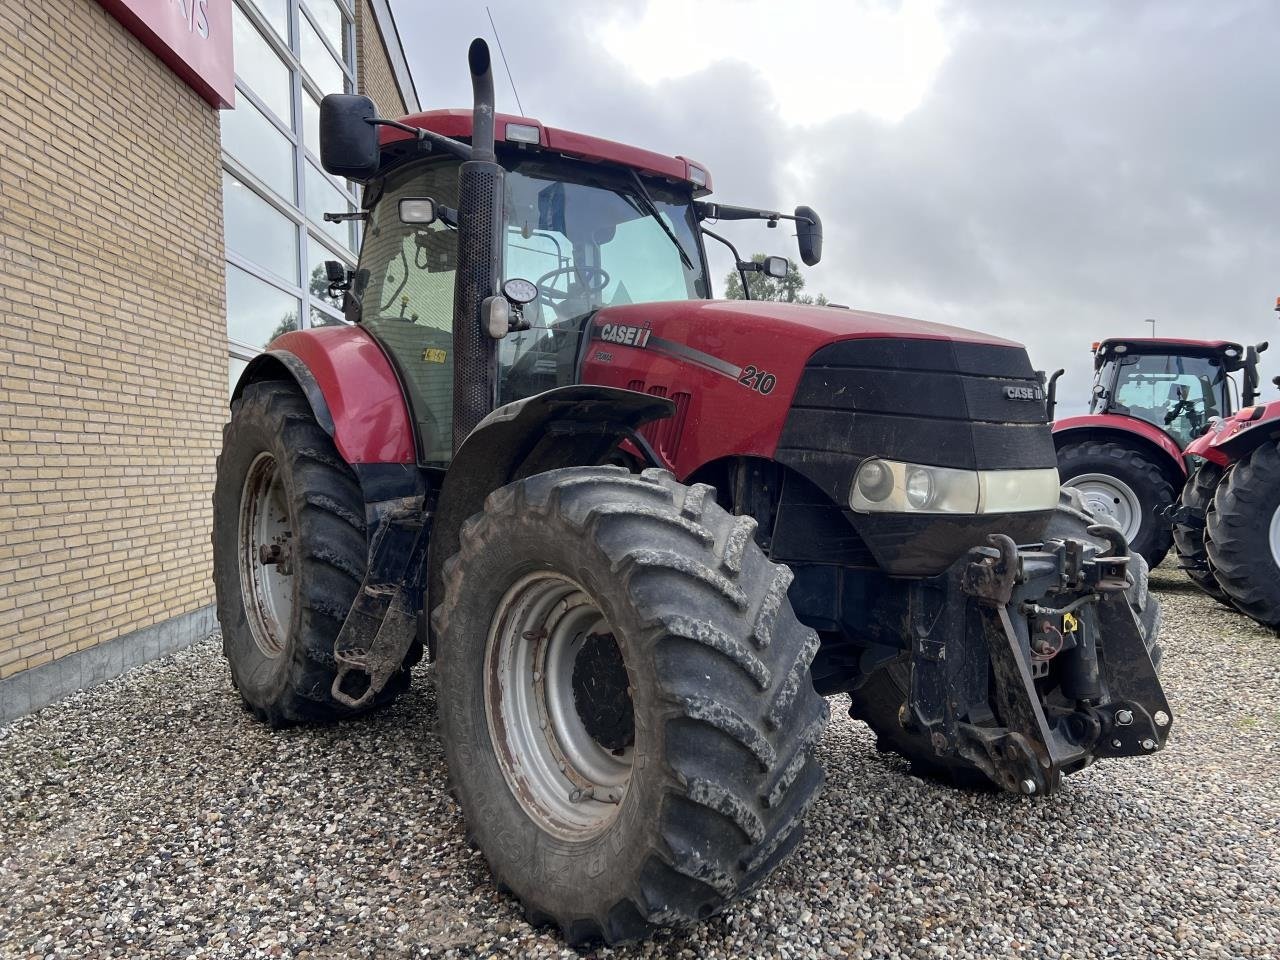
x=757 y=380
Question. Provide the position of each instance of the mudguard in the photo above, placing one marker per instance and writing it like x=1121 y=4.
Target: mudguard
x=351 y=386
x=1240 y=435
x=1103 y=426
x=565 y=427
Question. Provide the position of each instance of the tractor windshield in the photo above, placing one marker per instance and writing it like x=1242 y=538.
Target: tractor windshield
x=1176 y=393
x=587 y=236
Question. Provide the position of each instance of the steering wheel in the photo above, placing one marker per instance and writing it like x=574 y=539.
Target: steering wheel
x=588 y=280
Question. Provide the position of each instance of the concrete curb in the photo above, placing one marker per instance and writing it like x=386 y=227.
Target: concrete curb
x=32 y=689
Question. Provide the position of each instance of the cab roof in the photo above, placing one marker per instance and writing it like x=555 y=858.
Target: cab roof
x=1166 y=345
x=530 y=133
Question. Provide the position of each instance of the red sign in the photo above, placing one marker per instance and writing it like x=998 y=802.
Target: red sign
x=192 y=36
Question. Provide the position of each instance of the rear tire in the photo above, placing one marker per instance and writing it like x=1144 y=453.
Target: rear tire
x=1244 y=535
x=878 y=701
x=714 y=769
x=1191 y=539
x=280 y=479
x=1128 y=486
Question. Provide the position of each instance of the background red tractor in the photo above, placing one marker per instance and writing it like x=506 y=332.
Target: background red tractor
x=640 y=533
x=1151 y=397
x=1227 y=524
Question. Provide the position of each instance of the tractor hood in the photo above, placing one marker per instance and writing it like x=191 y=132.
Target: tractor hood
x=821 y=389
x=799 y=327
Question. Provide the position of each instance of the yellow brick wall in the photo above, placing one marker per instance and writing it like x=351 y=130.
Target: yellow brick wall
x=372 y=66
x=113 y=336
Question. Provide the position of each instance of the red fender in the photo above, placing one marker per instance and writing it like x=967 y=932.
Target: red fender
x=358 y=388
x=1114 y=423
x=1239 y=435
x=1202 y=446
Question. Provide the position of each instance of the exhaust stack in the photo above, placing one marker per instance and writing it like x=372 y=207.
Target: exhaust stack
x=480 y=200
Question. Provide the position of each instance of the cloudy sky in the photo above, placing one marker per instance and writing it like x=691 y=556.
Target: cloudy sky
x=1051 y=172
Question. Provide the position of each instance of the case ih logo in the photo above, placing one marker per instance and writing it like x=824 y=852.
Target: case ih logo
x=630 y=336
x=1023 y=393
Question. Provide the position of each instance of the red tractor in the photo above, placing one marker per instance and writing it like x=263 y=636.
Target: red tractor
x=640 y=533
x=1151 y=397
x=1227 y=522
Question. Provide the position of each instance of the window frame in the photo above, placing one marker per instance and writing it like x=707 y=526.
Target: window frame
x=294 y=208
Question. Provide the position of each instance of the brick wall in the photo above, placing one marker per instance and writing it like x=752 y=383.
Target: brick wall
x=113 y=338
x=372 y=66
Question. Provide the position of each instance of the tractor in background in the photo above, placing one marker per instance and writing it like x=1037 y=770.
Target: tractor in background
x=639 y=534
x=1151 y=398
x=1227 y=522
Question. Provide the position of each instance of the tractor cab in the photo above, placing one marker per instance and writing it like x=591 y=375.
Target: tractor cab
x=585 y=223
x=1176 y=385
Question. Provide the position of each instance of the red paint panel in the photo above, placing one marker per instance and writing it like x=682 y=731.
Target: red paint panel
x=1234 y=431
x=722 y=416
x=1119 y=424
x=1202 y=446
x=370 y=416
x=457 y=123
x=193 y=37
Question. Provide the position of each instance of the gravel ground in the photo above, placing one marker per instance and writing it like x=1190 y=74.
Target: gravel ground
x=150 y=817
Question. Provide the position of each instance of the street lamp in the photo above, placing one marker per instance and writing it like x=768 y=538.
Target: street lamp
x=1153 y=326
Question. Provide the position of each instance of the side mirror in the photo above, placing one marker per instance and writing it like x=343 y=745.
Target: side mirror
x=418 y=210
x=348 y=141
x=809 y=235
x=775 y=267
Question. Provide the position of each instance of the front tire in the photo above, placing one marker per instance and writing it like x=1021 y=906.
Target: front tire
x=1244 y=535
x=289 y=555
x=624 y=700
x=1125 y=485
x=1192 y=537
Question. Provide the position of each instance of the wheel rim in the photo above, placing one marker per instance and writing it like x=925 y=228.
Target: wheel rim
x=1111 y=497
x=559 y=705
x=266 y=555
x=1274 y=536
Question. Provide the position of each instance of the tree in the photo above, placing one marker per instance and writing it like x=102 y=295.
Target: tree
x=319 y=286
x=763 y=287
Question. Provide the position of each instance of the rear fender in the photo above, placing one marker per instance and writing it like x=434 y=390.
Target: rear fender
x=566 y=427
x=352 y=389
x=1126 y=430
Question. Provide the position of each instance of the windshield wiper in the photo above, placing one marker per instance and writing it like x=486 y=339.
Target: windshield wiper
x=647 y=207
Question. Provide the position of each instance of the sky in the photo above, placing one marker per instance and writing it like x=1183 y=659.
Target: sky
x=1050 y=172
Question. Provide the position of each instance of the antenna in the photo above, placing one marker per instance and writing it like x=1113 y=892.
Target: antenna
x=504 y=59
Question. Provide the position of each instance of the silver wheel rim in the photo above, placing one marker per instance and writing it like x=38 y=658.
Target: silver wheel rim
x=1274 y=536
x=1108 y=496
x=266 y=555
x=563 y=777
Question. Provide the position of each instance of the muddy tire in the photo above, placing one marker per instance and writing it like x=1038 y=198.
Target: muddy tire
x=1244 y=535
x=584 y=590
x=1127 y=485
x=878 y=701
x=281 y=481
x=1191 y=537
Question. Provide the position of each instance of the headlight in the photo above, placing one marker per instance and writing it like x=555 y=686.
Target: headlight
x=889 y=486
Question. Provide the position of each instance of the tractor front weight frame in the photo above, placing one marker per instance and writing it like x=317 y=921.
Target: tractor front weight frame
x=1030 y=662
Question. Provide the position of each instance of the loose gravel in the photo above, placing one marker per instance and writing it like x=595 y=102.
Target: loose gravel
x=151 y=817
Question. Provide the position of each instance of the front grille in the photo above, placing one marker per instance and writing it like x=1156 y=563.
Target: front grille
x=925 y=401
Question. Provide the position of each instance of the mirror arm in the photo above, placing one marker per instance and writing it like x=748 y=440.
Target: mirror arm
x=447 y=144
x=746 y=291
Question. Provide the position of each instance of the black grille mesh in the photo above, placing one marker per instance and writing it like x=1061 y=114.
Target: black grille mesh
x=479 y=255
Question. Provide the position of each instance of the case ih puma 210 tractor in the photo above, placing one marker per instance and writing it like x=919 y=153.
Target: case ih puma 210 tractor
x=640 y=534
x=1151 y=397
